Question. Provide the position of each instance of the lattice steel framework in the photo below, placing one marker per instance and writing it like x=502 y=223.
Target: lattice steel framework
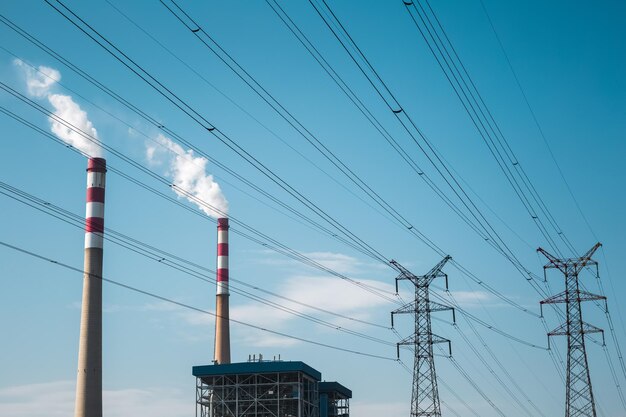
x=579 y=401
x=275 y=394
x=425 y=395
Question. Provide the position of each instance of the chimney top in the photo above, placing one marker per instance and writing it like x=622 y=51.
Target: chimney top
x=97 y=165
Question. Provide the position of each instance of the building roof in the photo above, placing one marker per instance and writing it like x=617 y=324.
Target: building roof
x=255 y=368
x=328 y=387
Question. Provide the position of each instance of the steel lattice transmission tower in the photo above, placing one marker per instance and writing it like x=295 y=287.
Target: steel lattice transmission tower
x=579 y=400
x=425 y=395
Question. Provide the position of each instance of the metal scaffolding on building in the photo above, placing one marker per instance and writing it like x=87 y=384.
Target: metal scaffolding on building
x=257 y=389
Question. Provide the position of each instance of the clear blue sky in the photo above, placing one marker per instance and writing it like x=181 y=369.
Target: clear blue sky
x=570 y=59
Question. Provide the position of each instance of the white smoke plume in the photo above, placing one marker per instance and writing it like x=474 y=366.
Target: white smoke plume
x=189 y=177
x=39 y=82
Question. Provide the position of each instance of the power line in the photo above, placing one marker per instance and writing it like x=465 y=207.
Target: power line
x=275 y=245
x=281 y=249
x=187 y=306
x=205 y=124
x=498 y=134
x=159 y=125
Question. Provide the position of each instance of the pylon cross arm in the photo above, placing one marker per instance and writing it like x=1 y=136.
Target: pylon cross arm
x=585 y=329
x=435 y=306
x=587 y=296
x=555 y=299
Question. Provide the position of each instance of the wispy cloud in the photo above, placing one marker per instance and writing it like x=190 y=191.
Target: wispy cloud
x=57 y=399
x=476 y=299
x=189 y=176
x=368 y=409
x=39 y=83
x=339 y=262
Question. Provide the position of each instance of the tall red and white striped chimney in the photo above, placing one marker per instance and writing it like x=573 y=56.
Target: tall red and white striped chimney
x=89 y=379
x=222 y=327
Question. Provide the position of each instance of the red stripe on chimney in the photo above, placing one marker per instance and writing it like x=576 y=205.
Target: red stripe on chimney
x=94 y=224
x=95 y=195
x=222 y=274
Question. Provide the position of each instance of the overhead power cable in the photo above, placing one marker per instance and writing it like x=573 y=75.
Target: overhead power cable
x=225 y=57
x=373 y=290
x=158 y=124
x=471 y=99
x=199 y=119
x=187 y=306
x=240 y=107
x=186 y=267
x=458 y=76
x=337 y=28
x=261 y=238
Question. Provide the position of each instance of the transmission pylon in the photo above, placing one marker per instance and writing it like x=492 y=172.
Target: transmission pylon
x=425 y=395
x=579 y=401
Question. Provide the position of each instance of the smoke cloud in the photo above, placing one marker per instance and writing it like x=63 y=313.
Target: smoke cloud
x=189 y=177
x=39 y=83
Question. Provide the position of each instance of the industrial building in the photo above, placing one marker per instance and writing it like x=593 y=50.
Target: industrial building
x=267 y=389
x=258 y=388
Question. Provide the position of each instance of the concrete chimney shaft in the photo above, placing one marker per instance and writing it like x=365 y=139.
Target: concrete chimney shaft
x=89 y=379
x=222 y=326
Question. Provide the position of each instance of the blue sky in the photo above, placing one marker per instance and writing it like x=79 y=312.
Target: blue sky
x=570 y=60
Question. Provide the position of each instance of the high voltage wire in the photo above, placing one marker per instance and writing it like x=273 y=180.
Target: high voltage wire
x=337 y=24
x=475 y=385
x=185 y=266
x=480 y=104
x=353 y=97
x=355 y=47
x=279 y=247
x=488 y=139
x=488 y=326
x=185 y=19
x=205 y=124
x=479 y=114
x=469 y=316
x=301 y=258
x=154 y=122
x=535 y=119
x=240 y=107
x=315 y=53
x=187 y=306
x=302 y=219
x=431 y=154
x=223 y=55
x=529 y=276
x=159 y=125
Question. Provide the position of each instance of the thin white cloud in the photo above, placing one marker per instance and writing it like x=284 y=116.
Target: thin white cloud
x=189 y=177
x=338 y=262
x=368 y=409
x=472 y=298
x=57 y=399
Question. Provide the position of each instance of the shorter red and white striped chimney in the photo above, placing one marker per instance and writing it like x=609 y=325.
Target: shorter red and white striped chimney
x=89 y=379
x=222 y=327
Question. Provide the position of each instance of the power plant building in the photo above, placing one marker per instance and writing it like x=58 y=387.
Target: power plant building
x=267 y=389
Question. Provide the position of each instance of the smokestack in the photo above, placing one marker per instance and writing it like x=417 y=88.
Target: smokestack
x=89 y=379
x=222 y=328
